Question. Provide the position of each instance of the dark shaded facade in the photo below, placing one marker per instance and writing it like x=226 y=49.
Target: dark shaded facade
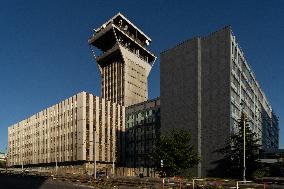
x=142 y=130
x=206 y=83
x=270 y=132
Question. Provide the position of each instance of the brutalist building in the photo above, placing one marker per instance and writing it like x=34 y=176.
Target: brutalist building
x=142 y=122
x=206 y=82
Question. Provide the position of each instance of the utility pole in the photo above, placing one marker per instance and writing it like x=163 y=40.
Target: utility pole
x=56 y=161
x=56 y=168
x=23 y=142
x=244 y=147
x=244 y=168
x=6 y=159
x=113 y=155
x=95 y=153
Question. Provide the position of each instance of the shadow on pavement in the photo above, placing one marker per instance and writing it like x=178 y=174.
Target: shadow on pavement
x=9 y=181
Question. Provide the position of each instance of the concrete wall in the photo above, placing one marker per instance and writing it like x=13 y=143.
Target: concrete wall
x=65 y=131
x=195 y=93
x=135 y=75
x=55 y=129
x=203 y=82
x=215 y=110
x=179 y=89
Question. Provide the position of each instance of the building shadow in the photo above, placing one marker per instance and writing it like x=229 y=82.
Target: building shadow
x=19 y=181
x=221 y=167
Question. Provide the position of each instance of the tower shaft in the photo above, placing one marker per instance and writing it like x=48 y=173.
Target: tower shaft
x=123 y=60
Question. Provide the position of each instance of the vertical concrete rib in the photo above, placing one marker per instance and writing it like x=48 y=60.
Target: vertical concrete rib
x=199 y=88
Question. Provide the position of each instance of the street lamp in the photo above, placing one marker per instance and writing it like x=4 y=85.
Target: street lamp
x=95 y=153
x=245 y=121
x=244 y=147
x=23 y=147
x=6 y=159
x=56 y=155
x=244 y=169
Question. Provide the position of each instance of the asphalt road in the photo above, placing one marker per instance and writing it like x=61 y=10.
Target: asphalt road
x=30 y=182
x=17 y=181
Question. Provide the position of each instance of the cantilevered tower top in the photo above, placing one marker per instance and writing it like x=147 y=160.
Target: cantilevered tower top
x=124 y=60
x=119 y=17
x=117 y=28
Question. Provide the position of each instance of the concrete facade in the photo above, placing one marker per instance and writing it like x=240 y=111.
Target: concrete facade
x=64 y=133
x=123 y=59
x=203 y=82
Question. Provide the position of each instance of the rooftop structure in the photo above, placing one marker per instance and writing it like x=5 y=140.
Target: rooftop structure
x=123 y=59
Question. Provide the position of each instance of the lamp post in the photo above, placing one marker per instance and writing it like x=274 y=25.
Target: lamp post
x=95 y=153
x=57 y=134
x=56 y=168
x=244 y=143
x=113 y=166
x=6 y=159
x=23 y=146
x=244 y=168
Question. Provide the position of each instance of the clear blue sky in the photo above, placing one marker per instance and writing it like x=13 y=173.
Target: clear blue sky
x=44 y=56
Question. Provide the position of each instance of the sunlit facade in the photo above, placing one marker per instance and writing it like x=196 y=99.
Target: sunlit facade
x=64 y=133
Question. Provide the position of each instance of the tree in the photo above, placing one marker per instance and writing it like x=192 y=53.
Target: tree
x=175 y=151
x=2 y=164
x=234 y=151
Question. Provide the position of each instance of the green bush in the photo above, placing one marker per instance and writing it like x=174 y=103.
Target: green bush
x=2 y=164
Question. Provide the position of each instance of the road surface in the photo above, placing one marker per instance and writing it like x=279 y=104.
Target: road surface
x=30 y=182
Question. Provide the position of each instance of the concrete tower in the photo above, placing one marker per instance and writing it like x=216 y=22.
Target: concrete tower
x=123 y=59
